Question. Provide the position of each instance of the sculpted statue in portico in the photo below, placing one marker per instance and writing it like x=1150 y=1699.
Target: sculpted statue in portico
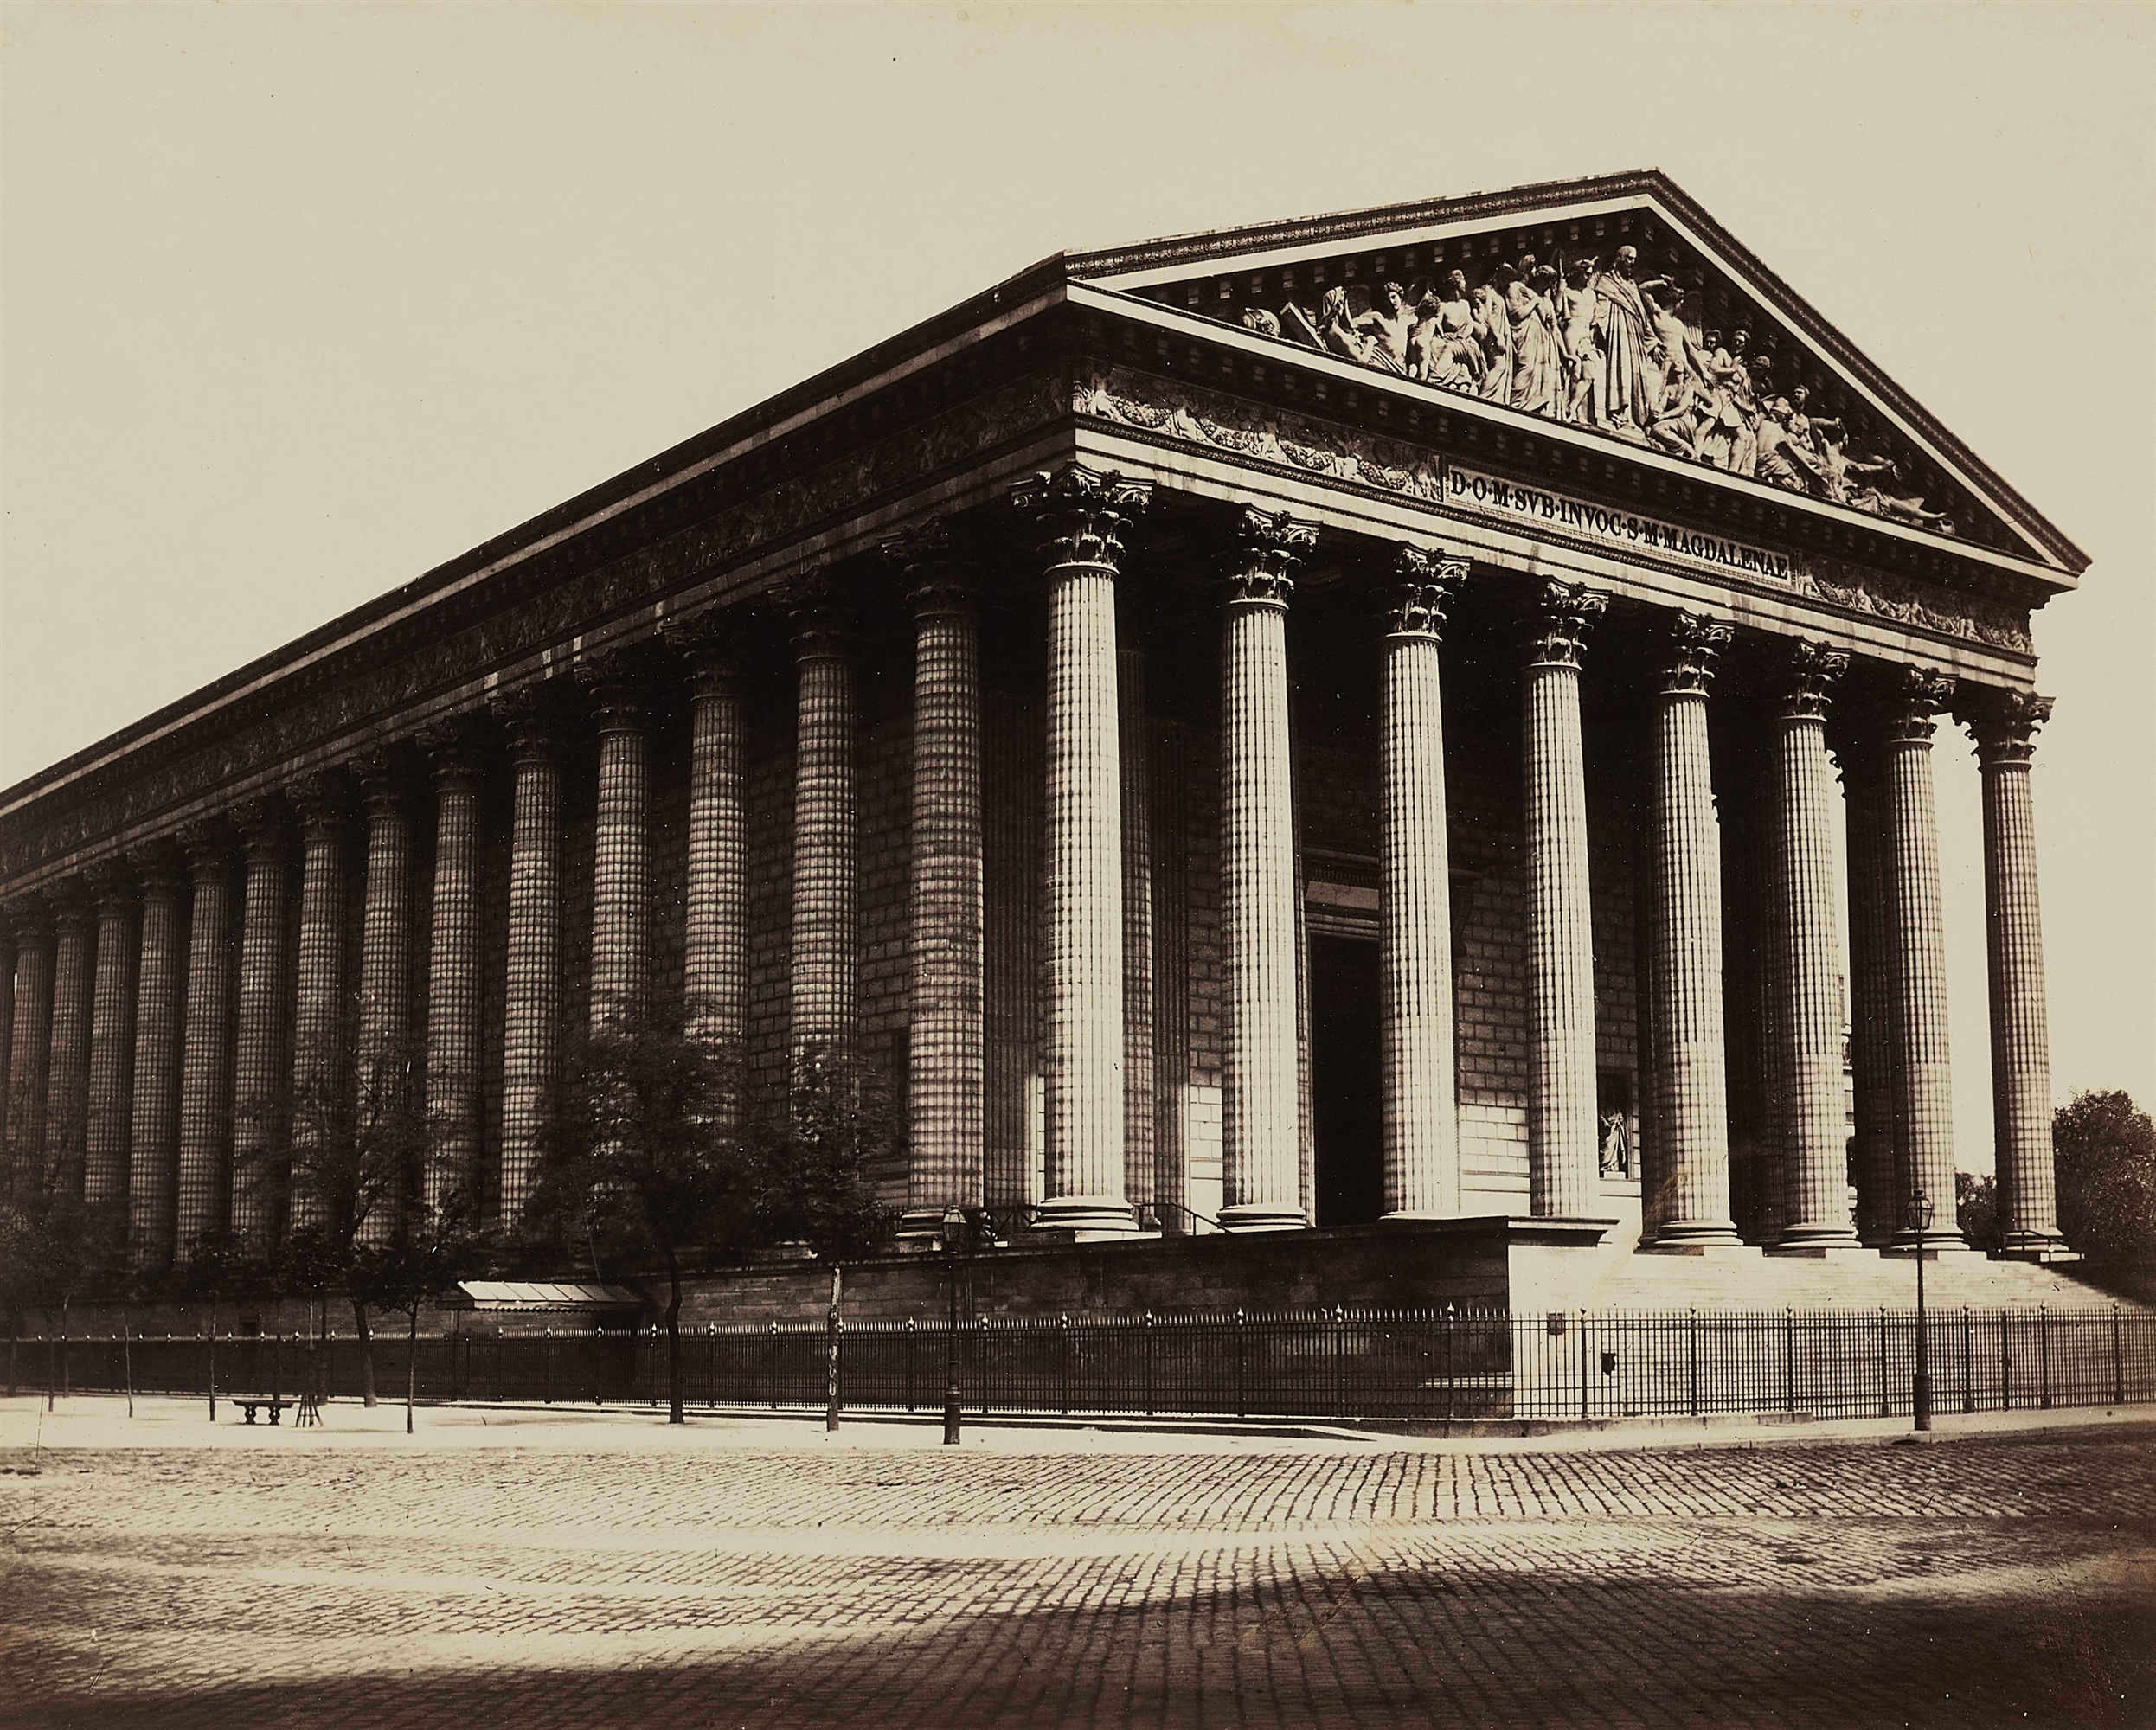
x=1630 y=349
x=1535 y=381
x=1576 y=352
x=1448 y=348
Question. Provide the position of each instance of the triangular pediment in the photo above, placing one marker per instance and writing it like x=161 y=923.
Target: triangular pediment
x=1472 y=272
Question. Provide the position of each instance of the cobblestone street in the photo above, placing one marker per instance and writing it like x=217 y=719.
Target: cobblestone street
x=1077 y=1580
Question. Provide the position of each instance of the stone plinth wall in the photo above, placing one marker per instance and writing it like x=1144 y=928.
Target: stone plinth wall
x=1452 y=1261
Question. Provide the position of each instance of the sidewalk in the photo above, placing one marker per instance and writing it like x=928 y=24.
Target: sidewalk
x=94 y=1421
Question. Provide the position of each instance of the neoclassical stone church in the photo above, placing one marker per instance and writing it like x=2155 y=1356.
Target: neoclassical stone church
x=1288 y=728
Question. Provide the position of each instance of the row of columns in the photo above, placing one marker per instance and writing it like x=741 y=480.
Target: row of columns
x=144 y=1065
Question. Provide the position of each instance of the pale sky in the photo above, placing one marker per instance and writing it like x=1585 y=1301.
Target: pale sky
x=298 y=302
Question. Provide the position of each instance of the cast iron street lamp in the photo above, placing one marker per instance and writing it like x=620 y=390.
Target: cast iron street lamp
x=1920 y=1390
x=953 y=1239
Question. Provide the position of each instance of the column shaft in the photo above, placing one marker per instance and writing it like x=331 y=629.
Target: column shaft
x=111 y=1046
x=326 y=1179
x=154 y=1125
x=1414 y=918
x=1139 y=1182
x=1689 y=1139
x=2021 y=1058
x=946 y=1101
x=67 y=1081
x=261 y=1070
x=1924 y=1084
x=1011 y=858
x=383 y=1086
x=532 y=1003
x=452 y=1181
x=715 y=957
x=1081 y=514
x=203 y=1208
x=1562 y=1122
x=622 y=865
x=1815 y=1159
x=1261 y=1094
x=825 y=988
x=1872 y=1007
x=31 y=1045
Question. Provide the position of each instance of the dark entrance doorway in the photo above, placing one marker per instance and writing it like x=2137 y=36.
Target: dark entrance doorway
x=1346 y=1081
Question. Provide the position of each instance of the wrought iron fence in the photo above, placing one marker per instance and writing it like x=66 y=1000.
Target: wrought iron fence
x=1420 y=1366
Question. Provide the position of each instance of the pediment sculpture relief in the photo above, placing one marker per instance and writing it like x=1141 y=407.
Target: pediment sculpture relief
x=1601 y=346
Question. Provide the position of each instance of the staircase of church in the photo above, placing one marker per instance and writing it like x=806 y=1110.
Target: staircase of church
x=1614 y=1280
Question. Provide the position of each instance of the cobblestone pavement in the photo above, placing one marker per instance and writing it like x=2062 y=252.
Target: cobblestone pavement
x=2006 y=1580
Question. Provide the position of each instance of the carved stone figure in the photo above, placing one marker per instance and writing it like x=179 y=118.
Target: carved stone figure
x=1615 y=1159
x=1493 y=329
x=1630 y=348
x=1776 y=462
x=1578 y=357
x=1535 y=381
x=1445 y=343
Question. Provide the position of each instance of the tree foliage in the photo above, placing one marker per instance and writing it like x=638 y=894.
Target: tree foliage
x=1976 y=1208
x=812 y=1161
x=2104 y=1155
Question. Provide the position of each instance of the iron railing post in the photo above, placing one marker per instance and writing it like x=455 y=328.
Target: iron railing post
x=1242 y=1387
x=1691 y=1354
x=772 y=1367
x=1451 y=1364
x=911 y=1332
x=1968 y=1364
x=2118 y=1360
x=1145 y=1336
x=2043 y=1353
x=2005 y=1362
x=1339 y=1361
x=1063 y=1356
x=1885 y=1408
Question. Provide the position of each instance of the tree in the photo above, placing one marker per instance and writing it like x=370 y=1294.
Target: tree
x=52 y=1246
x=633 y=1162
x=2104 y=1158
x=419 y=1265
x=1976 y=1206
x=810 y=1161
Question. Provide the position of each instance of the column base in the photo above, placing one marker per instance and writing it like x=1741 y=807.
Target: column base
x=1935 y=1243
x=1259 y=1216
x=919 y=1231
x=1693 y=1236
x=1086 y=1218
x=2039 y=1247
x=1814 y=1237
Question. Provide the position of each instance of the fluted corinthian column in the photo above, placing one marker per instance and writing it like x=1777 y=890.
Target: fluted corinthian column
x=1080 y=517
x=826 y=982
x=1872 y=1006
x=154 y=1115
x=622 y=864
x=1139 y=1080
x=452 y=1182
x=1562 y=1123
x=29 y=1050
x=383 y=1084
x=1923 y=1076
x=1815 y=1158
x=1415 y=904
x=532 y=1002
x=945 y=1098
x=1688 y=1150
x=203 y=1208
x=715 y=952
x=1261 y=1103
x=67 y=1081
x=260 y=1068
x=112 y=1039
x=2021 y=1053
x=323 y=1183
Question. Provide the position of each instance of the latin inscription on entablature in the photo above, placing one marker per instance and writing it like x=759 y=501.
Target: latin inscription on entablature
x=1509 y=500
x=1213 y=421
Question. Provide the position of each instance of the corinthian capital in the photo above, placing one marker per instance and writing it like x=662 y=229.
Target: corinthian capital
x=452 y=752
x=1689 y=647
x=709 y=641
x=1918 y=694
x=931 y=560
x=1424 y=581
x=1268 y=547
x=532 y=717
x=1565 y=613
x=615 y=682
x=2004 y=725
x=1080 y=513
x=1808 y=678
